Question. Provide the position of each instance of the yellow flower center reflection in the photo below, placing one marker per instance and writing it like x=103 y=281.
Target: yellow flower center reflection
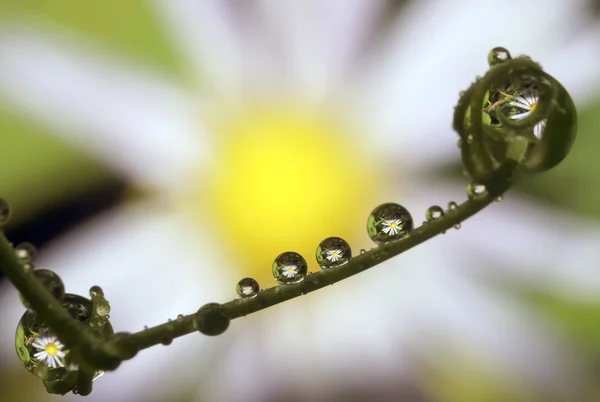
x=284 y=179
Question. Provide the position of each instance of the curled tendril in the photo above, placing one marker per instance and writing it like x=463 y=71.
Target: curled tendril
x=485 y=118
x=514 y=118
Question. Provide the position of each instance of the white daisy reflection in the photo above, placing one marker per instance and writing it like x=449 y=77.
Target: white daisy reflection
x=50 y=351
x=236 y=164
x=528 y=101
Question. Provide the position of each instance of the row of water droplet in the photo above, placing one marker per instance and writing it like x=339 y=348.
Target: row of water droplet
x=388 y=222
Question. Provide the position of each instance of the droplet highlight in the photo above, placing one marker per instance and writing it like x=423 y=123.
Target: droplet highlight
x=333 y=252
x=247 y=287
x=389 y=222
x=289 y=267
x=26 y=252
x=498 y=55
x=434 y=213
x=476 y=191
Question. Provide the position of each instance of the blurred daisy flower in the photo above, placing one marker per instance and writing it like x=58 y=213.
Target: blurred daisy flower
x=299 y=118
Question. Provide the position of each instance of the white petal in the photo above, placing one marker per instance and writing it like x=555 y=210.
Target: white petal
x=135 y=120
x=207 y=33
x=319 y=40
x=410 y=90
x=520 y=115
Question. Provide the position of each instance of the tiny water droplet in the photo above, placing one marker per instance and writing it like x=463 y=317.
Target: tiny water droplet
x=457 y=226
x=4 y=212
x=363 y=251
x=289 y=267
x=145 y=327
x=166 y=341
x=499 y=198
x=476 y=191
x=26 y=252
x=96 y=291
x=434 y=212
x=459 y=143
x=247 y=287
x=169 y=320
x=498 y=55
x=179 y=316
x=333 y=252
x=27 y=267
x=452 y=206
x=470 y=139
x=389 y=222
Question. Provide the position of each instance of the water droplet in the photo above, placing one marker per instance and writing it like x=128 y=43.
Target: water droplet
x=4 y=212
x=470 y=139
x=499 y=198
x=333 y=252
x=169 y=320
x=363 y=251
x=166 y=341
x=476 y=191
x=452 y=206
x=145 y=327
x=51 y=281
x=457 y=226
x=27 y=267
x=459 y=143
x=498 y=55
x=96 y=291
x=434 y=212
x=179 y=316
x=289 y=267
x=389 y=222
x=212 y=319
x=38 y=347
x=26 y=252
x=247 y=287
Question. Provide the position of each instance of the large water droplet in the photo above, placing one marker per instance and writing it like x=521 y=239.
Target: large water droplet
x=498 y=55
x=452 y=206
x=476 y=191
x=96 y=291
x=4 y=212
x=389 y=222
x=247 y=287
x=333 y=252
x=212 y=319
x=26 y=252
x=434 y=212
x=51 y=281
x=38 y=347
x=289 y=267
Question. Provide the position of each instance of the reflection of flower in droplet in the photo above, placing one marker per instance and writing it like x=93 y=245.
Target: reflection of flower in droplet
x=502 y=55
x=528 y=101
x=334 y=255
x=247 y=290
x=50 y=351
x=289 y=271
x=392 y=226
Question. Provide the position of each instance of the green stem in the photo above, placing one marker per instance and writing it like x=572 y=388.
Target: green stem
x=501 y=182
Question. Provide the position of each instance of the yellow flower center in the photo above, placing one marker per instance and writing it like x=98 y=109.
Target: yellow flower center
x=284 y=179
x=532 y=106
x=51 y=349
x=393 y=225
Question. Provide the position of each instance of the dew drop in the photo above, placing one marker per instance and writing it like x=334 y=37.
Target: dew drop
x=96 y=291
x=476 y=191
x=4 y=212
x=389 y=222
x=247 y=287
x=363 y=251
x=434 y=212
x=289 y=267
x=179 y=316
x=333 y=252
x=26 y=252
x=452 y=206
x=457 y=226
x=470 y=139
x=169 y=320
x=212 y=319
x=499 y=198
x=459 y=143
x=145 y=327
x=51 y=282
x=166 y=341
x=498 y=55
